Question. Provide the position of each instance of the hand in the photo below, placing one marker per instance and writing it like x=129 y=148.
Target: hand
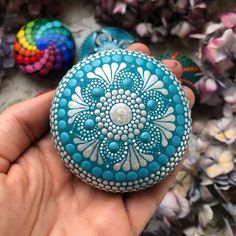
x=39 y=196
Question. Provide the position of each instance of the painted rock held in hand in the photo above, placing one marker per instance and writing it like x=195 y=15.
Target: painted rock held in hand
x=120 y=120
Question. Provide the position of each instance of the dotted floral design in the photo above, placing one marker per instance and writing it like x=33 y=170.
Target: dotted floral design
x=120 y=120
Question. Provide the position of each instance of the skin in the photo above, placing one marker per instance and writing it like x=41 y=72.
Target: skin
x=39 y=196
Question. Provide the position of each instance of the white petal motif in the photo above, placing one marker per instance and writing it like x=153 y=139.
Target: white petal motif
x=89 y=149
x=133 y=160
x=107 y=72
x=166 y=125
x=151 y=81
x=76 y=105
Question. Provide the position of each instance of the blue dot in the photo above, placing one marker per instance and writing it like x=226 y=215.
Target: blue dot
x=179 y=130
x=64 y=137
x=153 y=167
x=77 y=158
x=179 y=108
x=152 y=104
x=176 y=140
x=128 y=58
x=170 y=150
x=97 y=92
x=116 y=58
x=87 y=68
x=113 y=147
x=79 y=74
x=72 y=83
x=143 y=173
x=131 y=176
x=120 y=176
x=96 y=63
x=89 y=124
x=127 y=83
x=62 y=124
x=140 y=61
x=63 y=102
x=172 y=88
x=106 y=59
x=67 y=92
x=86 y=165
x=166 y=80
x=180 y=119
x=150 y=65
x=107 y=175
x=97 y=171
x=61 y=113
x=145 y=137
x=162 y=159
x=177 y=99
x=70 y=148
x=159 y=72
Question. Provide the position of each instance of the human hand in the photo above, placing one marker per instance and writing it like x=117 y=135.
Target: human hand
x=39 y=196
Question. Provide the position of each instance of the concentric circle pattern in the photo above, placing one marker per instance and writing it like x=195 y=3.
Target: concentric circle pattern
x=44 y=46
x=105 y=39
x=120 y=120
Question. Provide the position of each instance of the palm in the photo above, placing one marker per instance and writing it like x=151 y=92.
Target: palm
x=39 y=196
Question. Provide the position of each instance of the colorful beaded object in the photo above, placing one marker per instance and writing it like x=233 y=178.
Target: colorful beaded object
x=191 y=71
x=105 y=39
x=44 y=46
x=120 y=120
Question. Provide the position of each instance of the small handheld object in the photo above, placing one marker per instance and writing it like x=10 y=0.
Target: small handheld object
x=44 y=46
x=120 y=120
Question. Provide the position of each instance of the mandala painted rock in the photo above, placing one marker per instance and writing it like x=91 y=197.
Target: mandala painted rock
x=191 y=71
x=44 y=46
x=120 y=120
x=105 y=39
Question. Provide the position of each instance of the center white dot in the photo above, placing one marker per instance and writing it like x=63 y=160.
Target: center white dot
x=121 y=114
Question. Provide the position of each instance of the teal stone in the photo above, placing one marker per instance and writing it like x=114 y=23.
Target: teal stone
x=120 y=120
x=104 y=39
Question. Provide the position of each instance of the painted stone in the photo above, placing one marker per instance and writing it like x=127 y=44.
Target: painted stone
x=105 y=38
x=120 y=120
x=44 y=46
x=191 y=71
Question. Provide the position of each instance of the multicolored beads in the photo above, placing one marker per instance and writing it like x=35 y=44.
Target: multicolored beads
x=105 y=39
x=44 y=46
x=120 y=120
x=191 y=71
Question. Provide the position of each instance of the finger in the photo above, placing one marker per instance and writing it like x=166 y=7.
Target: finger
x=174 y=66
x=139 y=47
x=21 y=125
x=147 y=201
x=190 y=95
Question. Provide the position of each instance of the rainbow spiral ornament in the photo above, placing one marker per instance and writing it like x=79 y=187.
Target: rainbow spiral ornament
x=44 y=46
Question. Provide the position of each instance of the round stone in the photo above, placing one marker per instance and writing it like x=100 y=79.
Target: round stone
x=121 y=114
x=120 y=120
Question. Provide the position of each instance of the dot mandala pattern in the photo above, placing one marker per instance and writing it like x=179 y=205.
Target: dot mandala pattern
x=44 y=46
x=120 y=120
x=105 y=39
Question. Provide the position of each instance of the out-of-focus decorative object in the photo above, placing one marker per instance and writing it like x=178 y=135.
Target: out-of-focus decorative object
x=6 y=55
x=120 y=120
x=157 y=19
x=218 y=57
x=44 y=46
x=104 y=39
x=191 y=71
